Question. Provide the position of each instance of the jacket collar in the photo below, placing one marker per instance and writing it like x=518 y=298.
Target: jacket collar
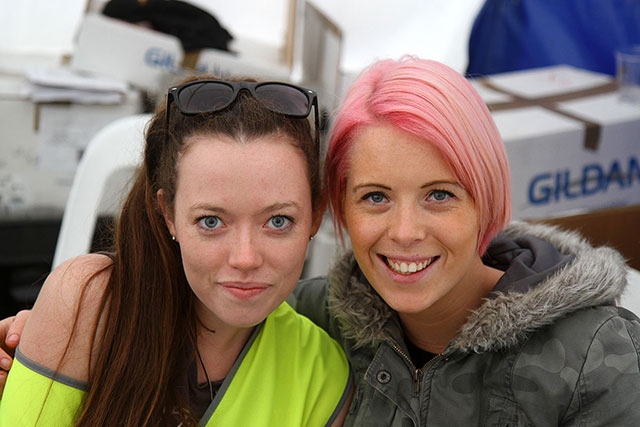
x=593 y=277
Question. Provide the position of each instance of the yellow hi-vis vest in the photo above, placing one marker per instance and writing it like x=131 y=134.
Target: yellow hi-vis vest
x=290 y=373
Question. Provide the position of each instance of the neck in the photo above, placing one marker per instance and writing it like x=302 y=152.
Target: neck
x=219 y=351
x=433 y=329
x=219 y=345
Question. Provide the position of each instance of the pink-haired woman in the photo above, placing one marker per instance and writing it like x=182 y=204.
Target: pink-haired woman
x=449 y=315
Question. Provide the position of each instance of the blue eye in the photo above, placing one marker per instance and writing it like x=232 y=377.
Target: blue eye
x=440 y=195
x=279 y=222
x=210 y=222
x=376 y=197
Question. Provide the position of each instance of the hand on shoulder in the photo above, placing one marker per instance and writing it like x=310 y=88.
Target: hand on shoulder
x=59 y=332
x=10 y=332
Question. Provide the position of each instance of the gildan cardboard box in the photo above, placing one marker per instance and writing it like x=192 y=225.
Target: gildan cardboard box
x=41 y=144
x=573 y=145
x=129 y=52
x=148 y=59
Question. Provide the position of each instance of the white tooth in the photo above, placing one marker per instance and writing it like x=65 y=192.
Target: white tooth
x=411 y=267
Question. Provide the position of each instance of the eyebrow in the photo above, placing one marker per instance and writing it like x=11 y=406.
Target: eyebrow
x=369 y=184
x=279 y=206
x=271 y=208
x=441 y=182
x=208 y=207
x=384 y=187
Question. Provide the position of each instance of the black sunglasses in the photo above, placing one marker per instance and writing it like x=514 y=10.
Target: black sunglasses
x=208 y=96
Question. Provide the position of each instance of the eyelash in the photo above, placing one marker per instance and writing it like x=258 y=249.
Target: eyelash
x=447 y=193
x=286 y=226
x=368 y=197
x=201 y=220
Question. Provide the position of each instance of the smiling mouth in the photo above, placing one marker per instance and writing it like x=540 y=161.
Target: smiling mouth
x=407 y=268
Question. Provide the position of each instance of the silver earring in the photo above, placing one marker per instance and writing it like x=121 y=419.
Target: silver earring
x=173 y=237
x=310 y=238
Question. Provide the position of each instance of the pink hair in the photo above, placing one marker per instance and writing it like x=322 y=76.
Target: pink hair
x=434 y=102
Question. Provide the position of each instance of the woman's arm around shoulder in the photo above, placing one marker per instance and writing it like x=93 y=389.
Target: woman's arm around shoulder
x=10 y=331
x=59 y=333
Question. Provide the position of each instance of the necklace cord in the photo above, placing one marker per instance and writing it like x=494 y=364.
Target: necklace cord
x=205 y=326
x=205 y=373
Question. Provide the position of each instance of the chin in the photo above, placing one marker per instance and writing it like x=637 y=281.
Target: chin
x=243 y=317
x=409 y=308
x=407 y=304
x=246 y=322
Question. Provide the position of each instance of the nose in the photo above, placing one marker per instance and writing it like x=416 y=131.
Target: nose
x=245 y=253
x=406 y=226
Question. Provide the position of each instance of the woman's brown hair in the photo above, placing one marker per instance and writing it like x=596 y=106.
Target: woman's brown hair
x=148 y=306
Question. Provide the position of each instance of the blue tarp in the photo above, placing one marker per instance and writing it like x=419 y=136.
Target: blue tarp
x=510 y=35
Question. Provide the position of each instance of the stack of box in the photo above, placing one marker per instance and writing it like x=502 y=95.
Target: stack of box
x=148 y=59
x=46 y=130
x=573 y=144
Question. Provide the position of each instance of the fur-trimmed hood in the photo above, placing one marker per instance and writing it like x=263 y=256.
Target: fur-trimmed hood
x=595 y=276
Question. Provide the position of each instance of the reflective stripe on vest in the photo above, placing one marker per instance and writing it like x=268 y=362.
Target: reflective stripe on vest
x=25 y=392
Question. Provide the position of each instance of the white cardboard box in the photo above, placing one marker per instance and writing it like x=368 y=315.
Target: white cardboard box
x=120 y=50
x=221 y=64
x=148 y=59
x=41 y=144
x=573 y=146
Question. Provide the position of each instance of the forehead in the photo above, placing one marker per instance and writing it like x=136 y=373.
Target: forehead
x=221 y=168
x=385 y=149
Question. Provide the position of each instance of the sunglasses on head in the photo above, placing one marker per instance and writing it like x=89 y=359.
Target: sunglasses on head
x=209 y=96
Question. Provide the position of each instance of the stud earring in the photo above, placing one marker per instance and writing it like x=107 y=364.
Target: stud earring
x=310 y=238
x=173 y=237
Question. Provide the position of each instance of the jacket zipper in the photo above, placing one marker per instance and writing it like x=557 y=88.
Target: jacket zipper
x=417 y=373
x=417 y=380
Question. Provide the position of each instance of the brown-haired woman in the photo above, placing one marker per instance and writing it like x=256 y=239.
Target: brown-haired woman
x=186 y=321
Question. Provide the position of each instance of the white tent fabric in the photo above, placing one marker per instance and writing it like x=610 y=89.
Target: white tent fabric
x=371 y=28
x=39 y=26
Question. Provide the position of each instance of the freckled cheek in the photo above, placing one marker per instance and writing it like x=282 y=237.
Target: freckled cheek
x=199 y=257
x=291 y=255
x=465 y=235
x=364 y=230
x=286 y=263
x=197 y=272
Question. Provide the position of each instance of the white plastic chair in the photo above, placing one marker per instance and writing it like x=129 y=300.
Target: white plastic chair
x=100 y=182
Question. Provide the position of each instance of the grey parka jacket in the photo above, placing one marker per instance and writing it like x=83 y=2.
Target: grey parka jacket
x=558 y=353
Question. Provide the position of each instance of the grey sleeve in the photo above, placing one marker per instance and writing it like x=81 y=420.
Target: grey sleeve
x=309 y=298
x=608 y=389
